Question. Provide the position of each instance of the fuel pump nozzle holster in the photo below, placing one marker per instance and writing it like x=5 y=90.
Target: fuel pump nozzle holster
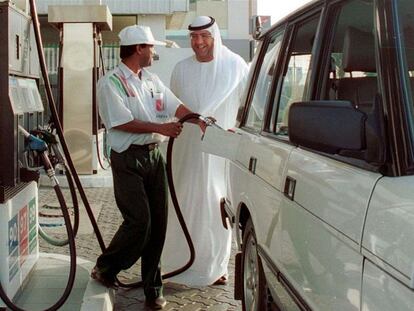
x=39 y=149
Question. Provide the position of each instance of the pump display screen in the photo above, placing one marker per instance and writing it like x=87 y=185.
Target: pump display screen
x=24 y=95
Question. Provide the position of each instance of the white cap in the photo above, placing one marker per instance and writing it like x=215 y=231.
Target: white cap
x=137 y=34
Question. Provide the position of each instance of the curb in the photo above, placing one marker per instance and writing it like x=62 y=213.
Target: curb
x=96 y=296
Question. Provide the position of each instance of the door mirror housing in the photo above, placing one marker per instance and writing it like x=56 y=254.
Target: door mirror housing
x=256 y=27
x=337 y=127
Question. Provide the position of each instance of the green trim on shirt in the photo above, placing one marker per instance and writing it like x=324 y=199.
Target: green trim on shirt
x=118 y=84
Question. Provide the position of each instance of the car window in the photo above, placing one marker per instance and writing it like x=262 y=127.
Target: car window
x=352 y=70
x=295 y=73
x=264 y=80
x=406 y=13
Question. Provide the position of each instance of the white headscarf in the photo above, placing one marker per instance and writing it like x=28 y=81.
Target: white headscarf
x=200 y=23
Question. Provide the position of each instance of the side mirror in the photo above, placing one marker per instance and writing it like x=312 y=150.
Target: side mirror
x=256 y=27
x=336 y=127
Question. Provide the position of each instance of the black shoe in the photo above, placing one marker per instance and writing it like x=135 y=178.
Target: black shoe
x=157 y=303
x=105 y=280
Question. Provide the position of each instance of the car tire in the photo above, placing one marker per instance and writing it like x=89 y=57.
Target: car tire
x=255 y=297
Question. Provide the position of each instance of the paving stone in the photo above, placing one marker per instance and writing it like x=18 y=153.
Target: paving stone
x=179 y=297
x=218 y=307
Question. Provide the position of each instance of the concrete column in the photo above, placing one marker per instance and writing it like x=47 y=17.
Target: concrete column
x=238 y=19
x=253 y=7
x=22 y=5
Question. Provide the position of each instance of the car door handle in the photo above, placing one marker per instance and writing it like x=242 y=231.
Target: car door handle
x=290 y=185
x=252 y=164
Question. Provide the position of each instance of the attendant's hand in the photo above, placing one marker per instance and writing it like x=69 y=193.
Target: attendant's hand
x=203 y=125
x=171 y=129
x=206 y=122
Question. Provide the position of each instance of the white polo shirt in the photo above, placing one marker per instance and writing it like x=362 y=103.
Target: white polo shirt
x=122 y=96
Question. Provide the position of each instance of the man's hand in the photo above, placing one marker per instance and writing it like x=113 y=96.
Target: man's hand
x=204 y=122
x=210 y=120
x=171 y=129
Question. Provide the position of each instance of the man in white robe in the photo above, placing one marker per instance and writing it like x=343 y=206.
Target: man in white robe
x=211 y=83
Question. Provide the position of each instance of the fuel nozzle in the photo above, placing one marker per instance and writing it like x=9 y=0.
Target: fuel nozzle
x=209 y=121
x=33 y=143
x=56 y=157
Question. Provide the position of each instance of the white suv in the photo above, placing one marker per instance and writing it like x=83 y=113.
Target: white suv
x=321 y=192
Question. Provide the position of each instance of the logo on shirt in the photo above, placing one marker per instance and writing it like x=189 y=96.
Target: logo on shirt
x=159 y=105
x=159 y=102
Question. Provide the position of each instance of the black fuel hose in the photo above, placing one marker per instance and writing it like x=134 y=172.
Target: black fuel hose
x=97 y=75
x=50 y=139
x=65 y=148
x=45 y=235
x=59 y=194
x=57 y=123
x=187 y=118
x=96 y=119
x=72 y=249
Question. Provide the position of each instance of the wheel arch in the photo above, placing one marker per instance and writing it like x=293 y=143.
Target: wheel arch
x=243 y=216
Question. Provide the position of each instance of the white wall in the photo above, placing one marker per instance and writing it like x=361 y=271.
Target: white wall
x=157 y=24
x=238 y=19
x=217 y=9
x=169 y=57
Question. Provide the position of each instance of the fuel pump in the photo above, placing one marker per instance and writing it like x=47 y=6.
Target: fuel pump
x=21 y=116
x=20 y=106
x=80 y=28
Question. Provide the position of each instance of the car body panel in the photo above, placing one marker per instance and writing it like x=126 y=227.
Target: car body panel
x=321 y=230
x=268 y=153
x=389 y=228
x=333 y=231
x=325 y=270
x=263 y=186
x=335 y=192
x=382 y=292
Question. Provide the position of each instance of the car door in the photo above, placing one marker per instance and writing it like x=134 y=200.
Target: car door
x=326 y=197
x=388 y=281
x=266 y=154
x=256 y=154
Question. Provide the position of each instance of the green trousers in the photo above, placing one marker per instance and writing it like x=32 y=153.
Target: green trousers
x=141 y=195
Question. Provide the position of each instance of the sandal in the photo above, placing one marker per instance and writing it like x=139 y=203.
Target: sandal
x=221 y=281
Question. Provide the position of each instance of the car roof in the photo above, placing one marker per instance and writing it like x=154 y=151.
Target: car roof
x=356 y=15
x=301 y=10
